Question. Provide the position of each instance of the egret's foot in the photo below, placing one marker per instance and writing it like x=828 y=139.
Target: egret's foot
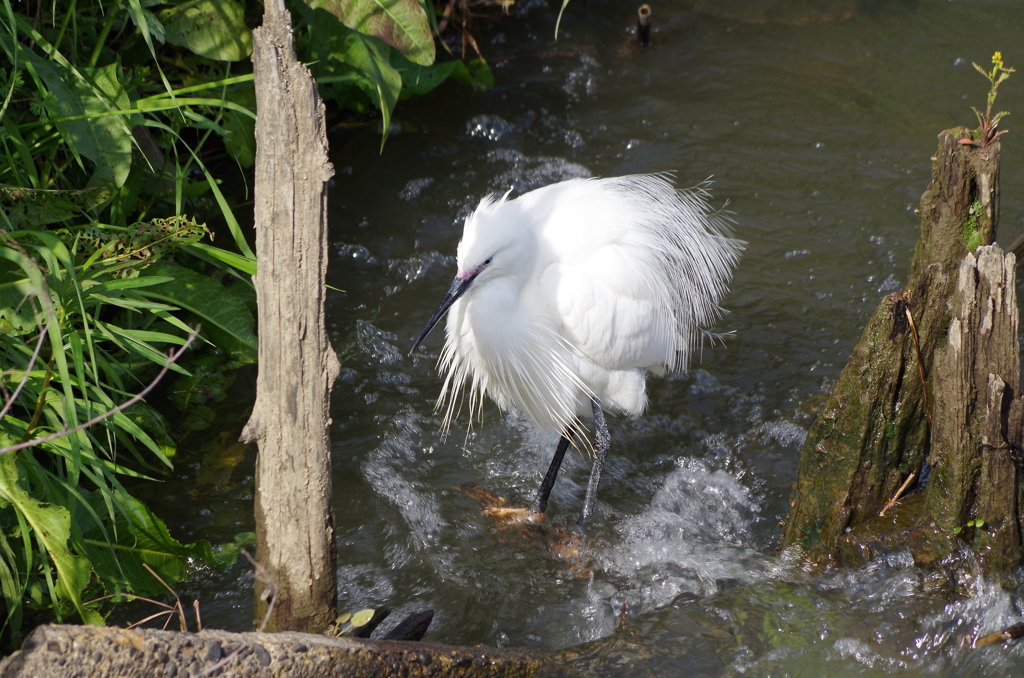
x=497 y=509
x=569 y=547
x=509 y=515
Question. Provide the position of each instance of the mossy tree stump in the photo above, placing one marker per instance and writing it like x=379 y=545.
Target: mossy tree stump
x=873 y=432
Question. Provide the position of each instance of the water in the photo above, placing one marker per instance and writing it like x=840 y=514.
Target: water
x=817 y=122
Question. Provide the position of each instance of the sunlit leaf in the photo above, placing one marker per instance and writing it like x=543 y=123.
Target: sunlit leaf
x=214 y=29
x=336 y=45
x=403 y=24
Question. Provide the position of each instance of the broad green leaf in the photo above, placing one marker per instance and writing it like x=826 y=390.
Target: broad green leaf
x=362 y=617
x=51 y=526
x=20 y=282
x=225 y=319
x=138 y=537
x=403 y=24
x=28 y=207
x=214 y=29
x=90 y=106
x=475 y=73
x=241 y=128
x=417 y=80
x=337 y=45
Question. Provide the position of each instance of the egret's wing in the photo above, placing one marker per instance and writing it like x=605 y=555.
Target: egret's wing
x=606 y=313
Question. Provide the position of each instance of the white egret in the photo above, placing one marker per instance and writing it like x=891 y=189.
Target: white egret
x=568 y=296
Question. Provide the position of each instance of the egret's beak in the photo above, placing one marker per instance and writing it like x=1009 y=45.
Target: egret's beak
x=458 y=288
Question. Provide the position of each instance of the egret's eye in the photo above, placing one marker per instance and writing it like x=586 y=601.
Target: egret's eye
x=487 y=260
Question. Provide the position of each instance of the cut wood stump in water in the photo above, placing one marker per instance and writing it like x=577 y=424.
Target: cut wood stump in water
x=925 y=354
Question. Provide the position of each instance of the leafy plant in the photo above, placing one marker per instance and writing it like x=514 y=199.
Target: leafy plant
x=987 y=121
x=102 y=133
x=109 y=115
x=67 y=525
x=976 y=523
x=367 y=53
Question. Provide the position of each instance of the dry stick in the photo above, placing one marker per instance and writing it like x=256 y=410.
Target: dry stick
x=177 y=601
x=28 y=370
x=920 y=365
x=1009 y=633
x=169 y=613
x=899 y=493
x=169 y=610
x=271 y=588
x=37 y=413
x=443 y=23
x=171 y=359
x=199 y=619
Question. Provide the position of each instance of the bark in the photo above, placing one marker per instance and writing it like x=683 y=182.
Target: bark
x=873 y=431
x=297 y=366
x=977 y=424
x=58 y=651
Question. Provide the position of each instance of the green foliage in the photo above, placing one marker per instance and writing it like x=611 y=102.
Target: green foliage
x=108 y=305
x=971 y=524
x=969 y=234
x=108 y=114
x=987 y=121
x=403 y=24
x=370 y=53
x=214 y=29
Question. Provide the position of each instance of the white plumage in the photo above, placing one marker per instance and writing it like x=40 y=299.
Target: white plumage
x=568 y=296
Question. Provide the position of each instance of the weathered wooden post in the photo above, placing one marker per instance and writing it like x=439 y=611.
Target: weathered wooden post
x=297 y=366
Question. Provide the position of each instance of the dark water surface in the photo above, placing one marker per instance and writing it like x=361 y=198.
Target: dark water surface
x=817 y=126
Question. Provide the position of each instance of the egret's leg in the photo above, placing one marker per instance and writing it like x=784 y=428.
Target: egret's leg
x=541 y=504
x=602 y=442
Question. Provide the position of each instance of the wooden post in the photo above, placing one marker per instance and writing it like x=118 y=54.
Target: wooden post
x=873 y=431
x=297 y=366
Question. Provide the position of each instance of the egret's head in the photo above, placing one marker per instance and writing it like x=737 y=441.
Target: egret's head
x=497 y=242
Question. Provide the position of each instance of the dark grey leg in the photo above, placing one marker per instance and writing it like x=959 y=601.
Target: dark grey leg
x=541 y=504
x=602 y=442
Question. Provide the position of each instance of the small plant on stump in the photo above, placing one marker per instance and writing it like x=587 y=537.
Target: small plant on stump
x=988 y=122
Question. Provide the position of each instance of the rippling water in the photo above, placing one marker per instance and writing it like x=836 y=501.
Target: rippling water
x=817 y=122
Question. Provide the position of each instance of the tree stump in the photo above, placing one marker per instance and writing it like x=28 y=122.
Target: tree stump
x=972 y=497
x=873 y=431
x=297 y=366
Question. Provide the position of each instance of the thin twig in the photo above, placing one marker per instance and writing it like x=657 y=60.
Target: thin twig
x=899 y=493
x=270 y=591
x=28 y=370
x=920 y=365
x=171 y=359
x=199 y=619
x=169 y=613
x=177 y=601
x=446 y=17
